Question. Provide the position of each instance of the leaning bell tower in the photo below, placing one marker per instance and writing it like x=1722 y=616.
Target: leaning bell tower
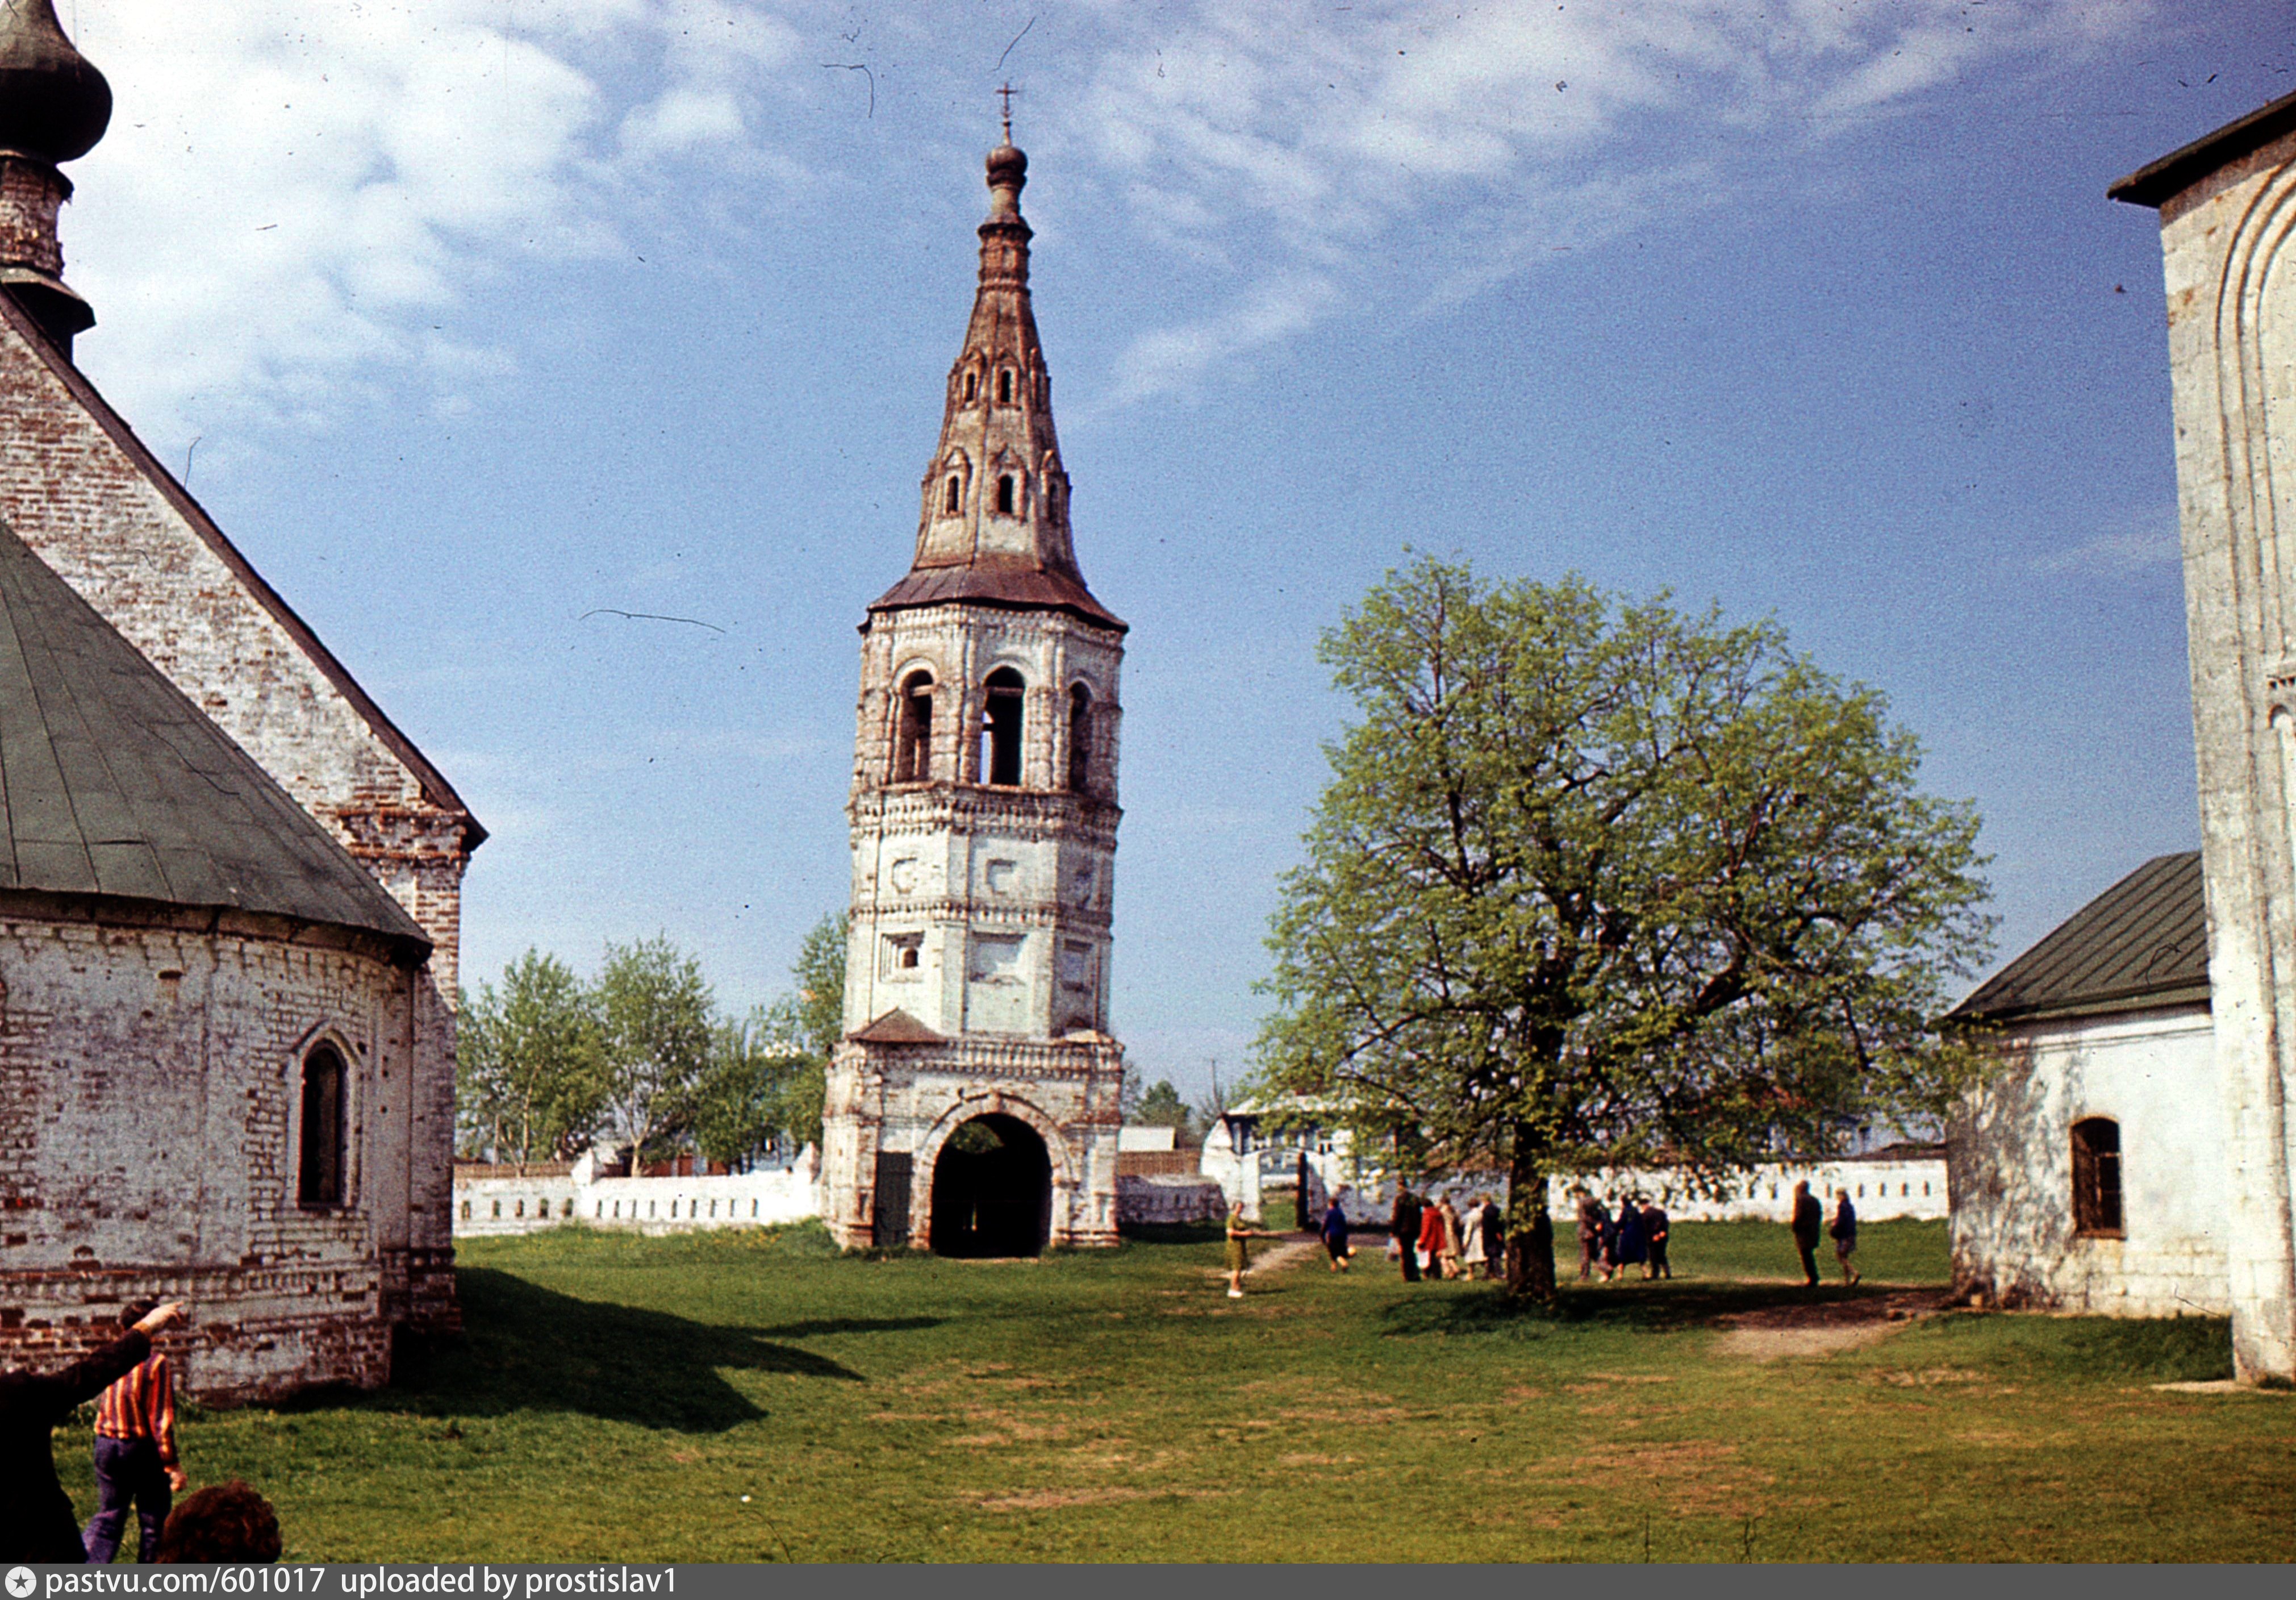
x=973 y=1104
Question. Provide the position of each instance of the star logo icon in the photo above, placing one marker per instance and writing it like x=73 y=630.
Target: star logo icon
x=22 y=1582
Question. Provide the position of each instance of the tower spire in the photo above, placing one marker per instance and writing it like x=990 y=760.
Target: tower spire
x=54 y=105
x=994 y=522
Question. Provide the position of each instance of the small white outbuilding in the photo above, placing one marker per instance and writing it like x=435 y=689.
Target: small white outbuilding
x=2090 y=1172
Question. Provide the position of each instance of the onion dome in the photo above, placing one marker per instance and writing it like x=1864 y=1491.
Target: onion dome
x=54 y=104
x=1008 y=169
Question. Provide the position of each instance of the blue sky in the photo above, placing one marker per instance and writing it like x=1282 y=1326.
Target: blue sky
x=473 y=318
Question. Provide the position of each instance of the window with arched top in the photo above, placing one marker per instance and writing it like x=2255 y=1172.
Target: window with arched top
x=1004 y=387
x=972 y=386
x=1080 y=740
x=912 y=730
x=1001 y=727
x=2096 y=1178
x=1008 y=494
x=319 y=1156
x=952 y=493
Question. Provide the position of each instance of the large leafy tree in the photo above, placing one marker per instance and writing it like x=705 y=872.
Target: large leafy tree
x=530 y=1082
x=1595 y=882
x=655 y=1025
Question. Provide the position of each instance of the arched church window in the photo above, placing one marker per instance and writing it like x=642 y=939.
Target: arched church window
x=1004 y=387
x=949 y=495
x=913 y=731
x=2096 y=1177
x=1080 y=740
x=972 y=386
x=1000 y=727
x=319 y=1161
x=1008 y=494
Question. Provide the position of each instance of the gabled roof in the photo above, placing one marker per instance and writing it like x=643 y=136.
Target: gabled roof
x=2142 y=943
x=897 y=1026
x=113 y=783
x=435 y=787
x=2174 y=173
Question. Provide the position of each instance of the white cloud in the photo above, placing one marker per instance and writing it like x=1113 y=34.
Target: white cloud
x=2144 y=544
x=1309 y=139
x=291 y=196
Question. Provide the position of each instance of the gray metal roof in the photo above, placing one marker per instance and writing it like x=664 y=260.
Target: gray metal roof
x=112 y=782
x=2142 y=942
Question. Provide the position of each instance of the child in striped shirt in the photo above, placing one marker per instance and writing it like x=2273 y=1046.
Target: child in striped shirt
x=134 y=1454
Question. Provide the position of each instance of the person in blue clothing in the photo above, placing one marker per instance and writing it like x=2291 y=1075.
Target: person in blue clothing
x=1335 y=1235
x=1845 y=1233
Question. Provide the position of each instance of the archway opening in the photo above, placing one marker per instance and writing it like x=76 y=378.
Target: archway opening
x=992 y=1190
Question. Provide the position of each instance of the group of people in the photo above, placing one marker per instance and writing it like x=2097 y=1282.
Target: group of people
x=136 y=1466
x=1610 y=1241
x=1435 y=1239
x=1809 y=1217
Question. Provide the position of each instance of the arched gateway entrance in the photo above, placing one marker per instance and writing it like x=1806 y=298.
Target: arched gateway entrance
x=992 y=1190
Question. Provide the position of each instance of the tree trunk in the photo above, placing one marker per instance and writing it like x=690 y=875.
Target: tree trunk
x=1530 y=1230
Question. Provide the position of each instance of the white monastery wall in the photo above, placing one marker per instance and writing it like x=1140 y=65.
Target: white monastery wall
x=486 y=1206
x=2015 y=1244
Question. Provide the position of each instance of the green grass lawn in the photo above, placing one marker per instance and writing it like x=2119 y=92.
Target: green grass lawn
x=618 y=1397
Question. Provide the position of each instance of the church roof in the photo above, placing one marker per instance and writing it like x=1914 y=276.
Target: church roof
x=435 y=787
x=112 y=782
x=897 y=1026
x=2174 y=173
x=2142 y=943
x=994 y=526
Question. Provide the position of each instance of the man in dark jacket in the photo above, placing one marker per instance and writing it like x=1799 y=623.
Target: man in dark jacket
x=36 y=1515
x=1808 y=1226
x=1404 y=1223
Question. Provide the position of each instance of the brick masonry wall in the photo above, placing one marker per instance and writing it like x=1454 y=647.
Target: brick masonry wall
x=75 y=486
x=151 y=1083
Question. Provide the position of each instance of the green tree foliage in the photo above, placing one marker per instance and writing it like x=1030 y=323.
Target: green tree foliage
x=743 y=1097
x=1596 y=882
x=530 y=1079
x=812 y=1020
x=1161 y=1107
x=656 y=1028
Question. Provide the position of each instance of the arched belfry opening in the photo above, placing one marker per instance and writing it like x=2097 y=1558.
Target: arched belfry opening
x=1001 y=727
x=912 y=730
x=992 y=1190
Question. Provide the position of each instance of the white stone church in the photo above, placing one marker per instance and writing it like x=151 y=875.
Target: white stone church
x=2139 y=1155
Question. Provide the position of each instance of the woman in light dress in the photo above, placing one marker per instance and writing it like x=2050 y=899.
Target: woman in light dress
x=1472 y=1253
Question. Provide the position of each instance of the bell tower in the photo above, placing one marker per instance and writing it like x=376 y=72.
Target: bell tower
x=973 y=1106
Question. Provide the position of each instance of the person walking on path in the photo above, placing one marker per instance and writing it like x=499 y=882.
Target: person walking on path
x=36 y=1515
x=1845 y=1233
x=1634 y=1244
x=1430 y=1240
x=1335 y=1235
x=1494 y=1238
x=1403 y=1228
x=1240 y=1235
x=1655 y=1226
x=1591 y=1220
x=1472 y=1256
x=1809 y=1219
x=136 y=1459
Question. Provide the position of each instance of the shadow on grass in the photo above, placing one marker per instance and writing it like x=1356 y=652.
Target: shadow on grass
x=526 y=1348
x=849 y=1324
x=1655 y=1307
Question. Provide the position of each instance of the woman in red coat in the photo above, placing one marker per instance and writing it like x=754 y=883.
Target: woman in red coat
x=1430 y=1240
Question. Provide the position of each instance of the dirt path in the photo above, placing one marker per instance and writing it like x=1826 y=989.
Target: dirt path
x=1290 y=1251
x=1826 y=1326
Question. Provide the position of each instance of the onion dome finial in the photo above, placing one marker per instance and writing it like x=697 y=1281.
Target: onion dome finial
x=54 y=103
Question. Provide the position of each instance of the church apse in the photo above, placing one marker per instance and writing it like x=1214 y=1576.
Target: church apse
x=977 y=1078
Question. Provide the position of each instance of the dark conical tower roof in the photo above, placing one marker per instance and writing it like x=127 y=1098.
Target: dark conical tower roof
x=112 y=782
x=54 y=103
x=995 y=523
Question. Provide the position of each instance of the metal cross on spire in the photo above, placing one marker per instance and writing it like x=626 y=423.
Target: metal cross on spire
x=1008 y=91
